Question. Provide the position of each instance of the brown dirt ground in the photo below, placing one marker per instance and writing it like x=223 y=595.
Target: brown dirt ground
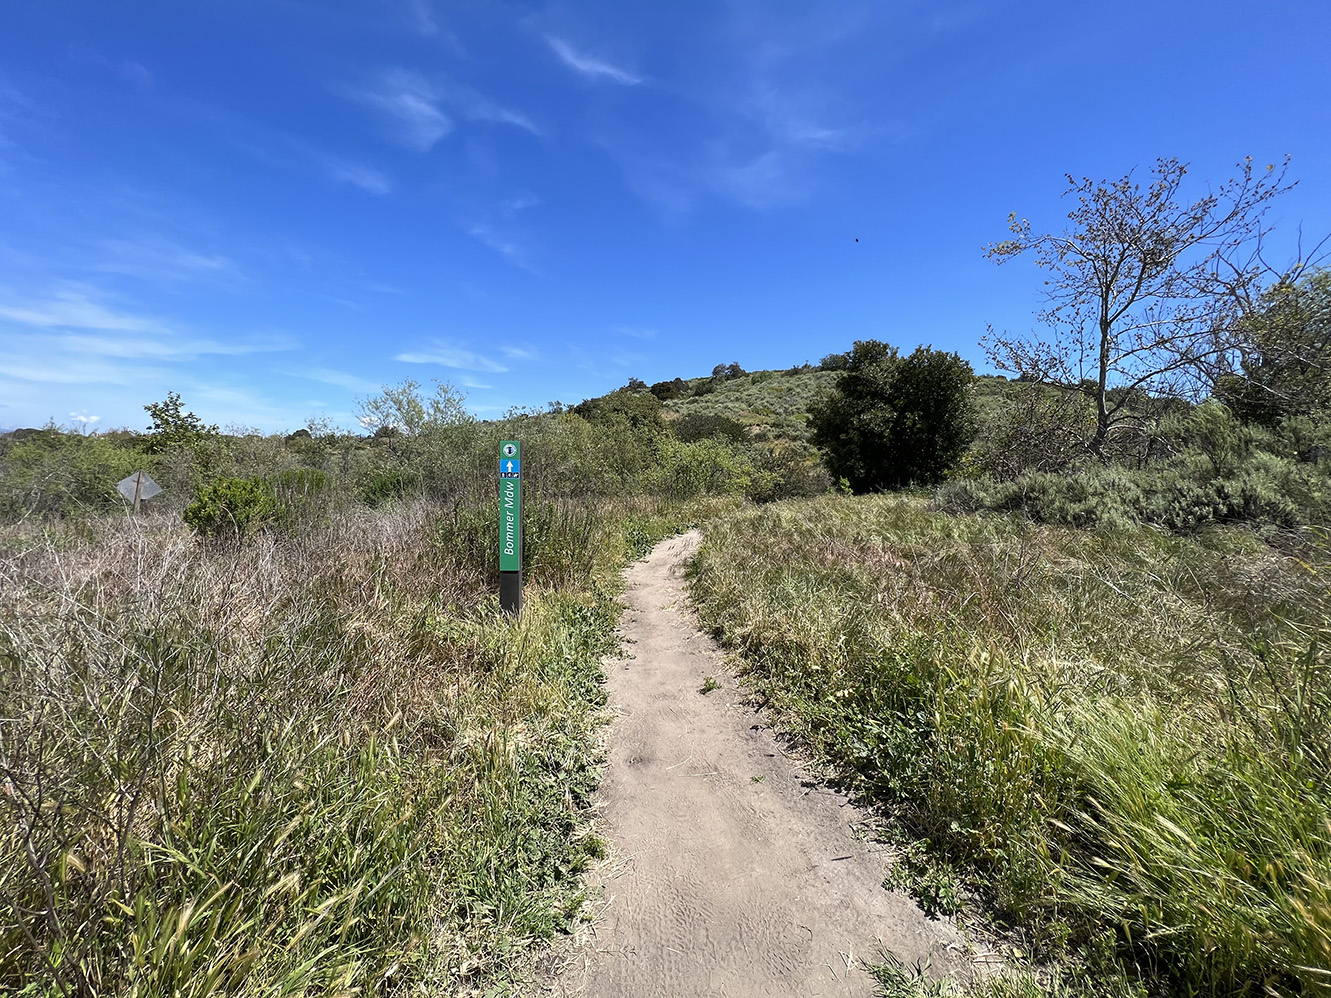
x=732 y=870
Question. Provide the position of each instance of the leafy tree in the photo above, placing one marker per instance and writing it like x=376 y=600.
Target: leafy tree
x=404 y=417
x=1285 y=370
x=639 y=410
x=173 y=428
x=890 y=422
x=834 y=362
x=667 y=390
x=1144 y=290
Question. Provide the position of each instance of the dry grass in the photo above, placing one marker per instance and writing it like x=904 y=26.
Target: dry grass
x=1126 y=730
x=319 y=763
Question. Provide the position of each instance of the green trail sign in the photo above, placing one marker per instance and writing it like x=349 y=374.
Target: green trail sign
x=510 y=525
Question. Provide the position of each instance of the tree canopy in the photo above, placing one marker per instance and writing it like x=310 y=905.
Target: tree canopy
x=1145 y=289
x=891 y=421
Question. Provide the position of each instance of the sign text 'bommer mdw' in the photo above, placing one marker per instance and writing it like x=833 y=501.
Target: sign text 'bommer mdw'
x=510 y=525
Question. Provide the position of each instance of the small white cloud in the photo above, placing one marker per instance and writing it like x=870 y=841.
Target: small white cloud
x=469 y=382
x=446 y=355
x=518 y=353
x=157 y=259
x=135 y=73
x=365 y=177
x=83 y=419
x=637 y=334
x=477 y=107
x=520 y=203
x=589 y=66
x=505 y=246
x=413 y=104
x=419 y=108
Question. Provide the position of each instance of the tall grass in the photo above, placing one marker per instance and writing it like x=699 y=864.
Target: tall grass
x=1123 y=734
x=322 y=762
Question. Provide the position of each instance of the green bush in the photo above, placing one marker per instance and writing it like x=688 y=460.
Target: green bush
x=891 y=422
x=385 y=486
x=232 y=508
x=699 y=425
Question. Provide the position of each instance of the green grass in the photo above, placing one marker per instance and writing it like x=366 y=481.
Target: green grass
x=1119 y=740
x=772 y=403
x=322 y=762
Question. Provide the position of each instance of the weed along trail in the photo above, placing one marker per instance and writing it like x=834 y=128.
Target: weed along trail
x=731 y=872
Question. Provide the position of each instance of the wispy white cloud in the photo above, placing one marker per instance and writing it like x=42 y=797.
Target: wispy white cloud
x=412 y=104
x=73 y=309
x=340 y=379
x=42 y=367
x=477 y=107
x=445 y=354
x=506 y=246
x=521 y=203
x=358 y=175
x=518 y=353
x=156 y=258
x=590 y=66
x=469 y=382
x=422 y=17
x=637 y=334
x=167 y=348
x=421 y=109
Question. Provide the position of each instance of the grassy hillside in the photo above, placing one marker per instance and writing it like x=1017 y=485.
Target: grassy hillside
x=773 y=404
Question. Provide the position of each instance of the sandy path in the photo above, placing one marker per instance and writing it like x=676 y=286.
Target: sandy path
x=731 y=872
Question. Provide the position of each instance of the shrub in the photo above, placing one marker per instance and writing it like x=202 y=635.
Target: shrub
x=232 y=508
x=667 y=390
x=700 y=425
x=385 y=486
x=890 y=422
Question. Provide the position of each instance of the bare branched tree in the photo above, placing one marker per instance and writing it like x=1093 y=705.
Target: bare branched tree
x=1146 y=292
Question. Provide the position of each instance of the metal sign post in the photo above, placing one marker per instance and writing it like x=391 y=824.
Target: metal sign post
x=138 y=487
x=510 y=525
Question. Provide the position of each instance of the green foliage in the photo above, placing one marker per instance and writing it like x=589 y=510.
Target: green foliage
x=1286 y=371
x=389 y=484
x=640 y=410
x=700 y=425
x=50 y=473
x=173 y=428
x=775 y=408
x=232 y=508
x=834 y=362
x=891 y=422
x=1116 y=738
x=667 y=390
x=323 y=767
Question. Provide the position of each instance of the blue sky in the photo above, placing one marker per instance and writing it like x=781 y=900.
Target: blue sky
x=274 y=208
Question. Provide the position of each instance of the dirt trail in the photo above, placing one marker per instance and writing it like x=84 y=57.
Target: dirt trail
x=732 y=872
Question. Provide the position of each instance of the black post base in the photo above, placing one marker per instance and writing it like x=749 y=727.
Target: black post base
x=510 y=591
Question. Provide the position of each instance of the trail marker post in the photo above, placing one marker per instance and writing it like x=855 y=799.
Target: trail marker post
x=510 y=525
